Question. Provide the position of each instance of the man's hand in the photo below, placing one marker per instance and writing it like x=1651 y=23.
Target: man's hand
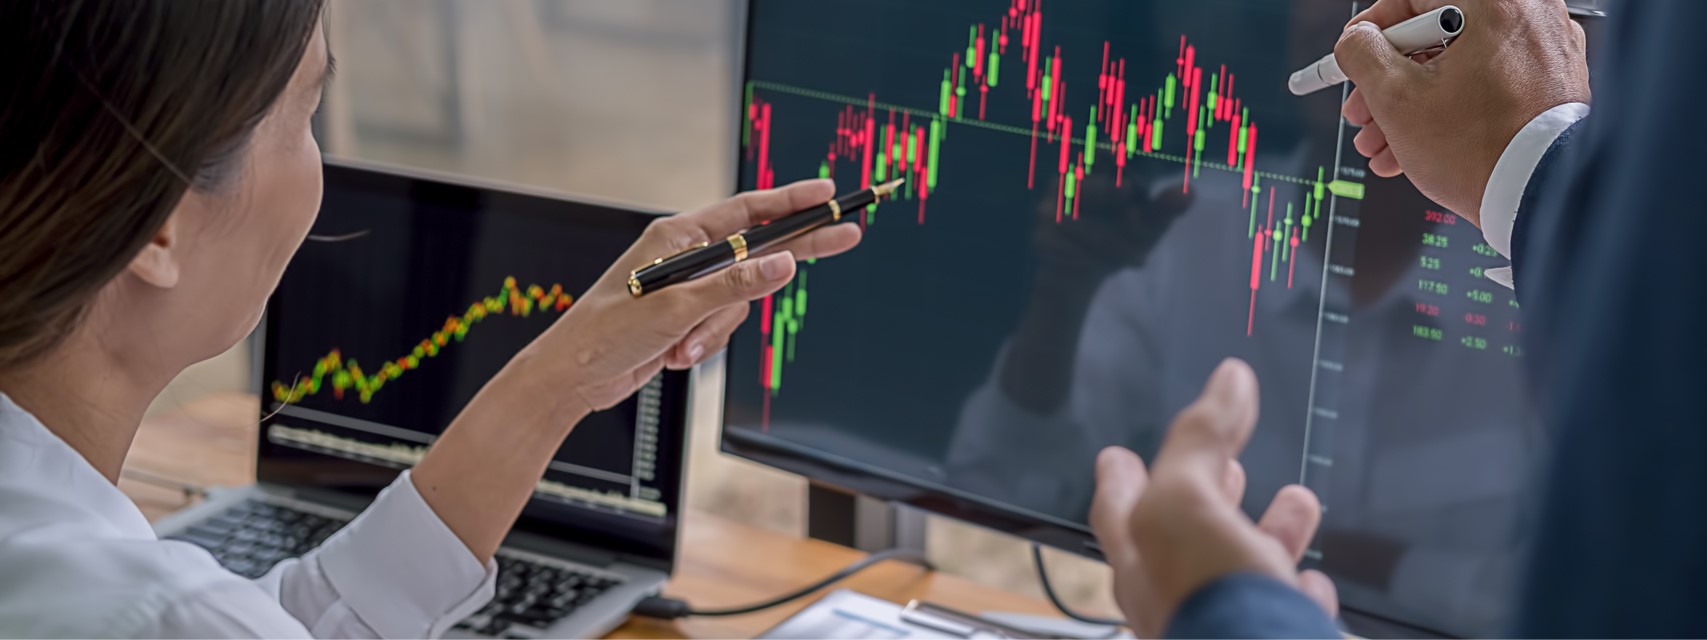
x=1170 y=533
x=1447 y=120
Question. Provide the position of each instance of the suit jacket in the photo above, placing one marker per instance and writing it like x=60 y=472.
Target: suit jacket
x=1610 y=256
x=1614 y=284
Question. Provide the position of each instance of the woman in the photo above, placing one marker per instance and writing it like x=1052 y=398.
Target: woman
x=157 y=171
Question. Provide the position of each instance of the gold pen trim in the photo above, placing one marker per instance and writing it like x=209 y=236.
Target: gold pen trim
x=634 y=287
x=835 y=211
x=738 y=242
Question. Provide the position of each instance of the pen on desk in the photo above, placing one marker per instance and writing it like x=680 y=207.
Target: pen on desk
x=711 y=256
x=1434 y=29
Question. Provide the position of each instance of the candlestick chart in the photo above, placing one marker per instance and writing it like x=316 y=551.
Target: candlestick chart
x=1105 y=200
x=1010 y=79
x=343 y=375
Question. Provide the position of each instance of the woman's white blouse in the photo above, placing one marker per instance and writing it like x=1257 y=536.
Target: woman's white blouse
x=77 y=559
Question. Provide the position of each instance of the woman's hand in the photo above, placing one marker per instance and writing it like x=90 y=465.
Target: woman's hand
x=479 y=474
x=609 y=343
x=1169 y=532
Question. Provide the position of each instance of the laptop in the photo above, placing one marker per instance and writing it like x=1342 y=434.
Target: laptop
x=411 y=254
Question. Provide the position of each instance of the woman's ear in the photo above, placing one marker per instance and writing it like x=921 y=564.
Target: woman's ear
x=157 y=262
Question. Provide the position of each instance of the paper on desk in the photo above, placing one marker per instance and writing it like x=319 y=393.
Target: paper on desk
x=847 y=614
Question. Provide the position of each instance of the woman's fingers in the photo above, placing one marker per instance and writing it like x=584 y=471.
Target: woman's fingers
x=690 y=303
x=824 y=242
x=716 y=222
x=752 y=208
x=708 y=338
x=1292 y=519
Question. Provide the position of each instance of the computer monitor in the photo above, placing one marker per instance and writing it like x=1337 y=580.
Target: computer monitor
x=375 y=342
x=1104 y=199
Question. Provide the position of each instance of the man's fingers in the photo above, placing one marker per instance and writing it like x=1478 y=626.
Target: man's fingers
x=1356 y=109
x=1386 y=165
x=707 y=338
x=1386 y=13
x=1371 y=62
x=1292 y=519
x=1214 y=429
x=1371 y=141
x=1234 y=482
x=825 y=242
x=1320 y=588
x=1120 y=478
x=753 y=207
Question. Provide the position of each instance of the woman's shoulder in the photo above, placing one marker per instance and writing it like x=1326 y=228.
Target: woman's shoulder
x=79 y=559
x=70 y=578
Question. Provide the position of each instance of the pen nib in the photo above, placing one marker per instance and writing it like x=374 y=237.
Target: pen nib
x=887 y=188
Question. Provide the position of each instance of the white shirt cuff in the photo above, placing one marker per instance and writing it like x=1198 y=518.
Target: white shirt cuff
x=402 y=570
x=1515 y=168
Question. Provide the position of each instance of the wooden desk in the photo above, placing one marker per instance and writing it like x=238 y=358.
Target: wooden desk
x=211 y=443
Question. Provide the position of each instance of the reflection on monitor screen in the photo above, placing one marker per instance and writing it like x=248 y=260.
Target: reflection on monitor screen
x=1104 y=200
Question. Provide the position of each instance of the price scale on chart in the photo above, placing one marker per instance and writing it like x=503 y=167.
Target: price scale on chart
x=1457 y=302
x=1189 y=112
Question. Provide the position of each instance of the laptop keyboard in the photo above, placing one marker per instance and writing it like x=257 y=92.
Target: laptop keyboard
x=251 y=537
x=533 y=595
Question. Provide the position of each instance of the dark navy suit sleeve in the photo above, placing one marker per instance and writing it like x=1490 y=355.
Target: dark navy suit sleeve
x=1249 y=605
x=1611 y=262
x=1613 y=269
x=1548 y=173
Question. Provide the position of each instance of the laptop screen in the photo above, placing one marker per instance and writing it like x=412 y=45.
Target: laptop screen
x=375 y=342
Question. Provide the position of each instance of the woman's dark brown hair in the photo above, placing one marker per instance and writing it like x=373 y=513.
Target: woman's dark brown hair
x=109 y=111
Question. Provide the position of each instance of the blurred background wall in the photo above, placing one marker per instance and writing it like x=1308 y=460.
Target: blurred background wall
x=627 y=100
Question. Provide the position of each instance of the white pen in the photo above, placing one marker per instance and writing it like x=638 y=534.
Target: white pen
x=1427 y=31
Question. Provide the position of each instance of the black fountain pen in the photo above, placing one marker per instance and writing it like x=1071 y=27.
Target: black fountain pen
x=707 y=257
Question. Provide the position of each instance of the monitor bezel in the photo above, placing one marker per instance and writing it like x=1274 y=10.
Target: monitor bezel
x=572 y=525
x=845 y=475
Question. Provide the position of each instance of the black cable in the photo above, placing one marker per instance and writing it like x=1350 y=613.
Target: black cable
x=1043 y=577
x=190 y=491
x=672 y=608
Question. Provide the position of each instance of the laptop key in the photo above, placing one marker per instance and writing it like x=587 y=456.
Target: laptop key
x=529 y=618
x=201 y=537
x=218 y=526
